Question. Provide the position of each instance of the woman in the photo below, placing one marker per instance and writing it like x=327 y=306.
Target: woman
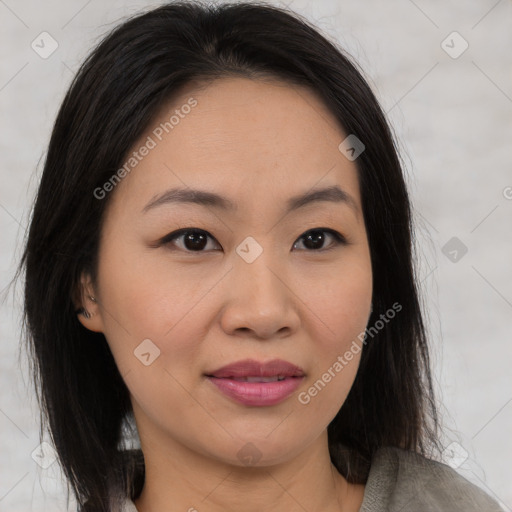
x=220 y=258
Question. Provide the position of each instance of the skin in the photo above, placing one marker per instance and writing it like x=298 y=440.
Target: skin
x=258 y=143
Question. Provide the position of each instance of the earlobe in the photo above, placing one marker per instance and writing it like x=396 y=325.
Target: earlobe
x=83 y=311
x=88 y=307
x=90 y=316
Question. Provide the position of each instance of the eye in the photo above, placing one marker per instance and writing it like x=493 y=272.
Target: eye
x=316 y=237
x=195 y=240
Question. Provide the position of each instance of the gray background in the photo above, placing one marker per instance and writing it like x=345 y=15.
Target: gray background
x=452 y=117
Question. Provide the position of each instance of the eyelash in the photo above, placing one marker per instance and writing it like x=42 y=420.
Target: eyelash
x=339 y=239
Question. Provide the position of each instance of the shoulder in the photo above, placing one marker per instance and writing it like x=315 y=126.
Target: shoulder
x=129 y=506
x=406 y=481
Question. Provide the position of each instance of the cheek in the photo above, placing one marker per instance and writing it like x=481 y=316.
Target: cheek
x=151 y=325
x=341 y=310
x=334 y=364
x=144 y=302
x=341 y=301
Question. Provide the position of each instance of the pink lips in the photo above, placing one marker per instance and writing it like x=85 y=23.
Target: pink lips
x=231 y=381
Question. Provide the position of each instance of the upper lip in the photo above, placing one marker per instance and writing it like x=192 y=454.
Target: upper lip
x=252 y=368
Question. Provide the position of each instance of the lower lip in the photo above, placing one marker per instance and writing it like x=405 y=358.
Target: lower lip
x=257 y=393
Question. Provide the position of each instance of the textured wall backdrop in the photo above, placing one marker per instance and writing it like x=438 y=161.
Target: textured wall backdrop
x=443 y=73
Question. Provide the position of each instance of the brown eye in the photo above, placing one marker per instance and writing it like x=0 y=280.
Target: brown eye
x=314 y=239
x=193 y=240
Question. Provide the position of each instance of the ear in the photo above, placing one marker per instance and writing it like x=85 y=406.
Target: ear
x=88 y=305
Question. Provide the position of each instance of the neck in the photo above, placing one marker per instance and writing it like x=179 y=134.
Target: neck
x=180 y=479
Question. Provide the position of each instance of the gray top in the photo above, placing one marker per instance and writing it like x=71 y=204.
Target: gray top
x=403 y=481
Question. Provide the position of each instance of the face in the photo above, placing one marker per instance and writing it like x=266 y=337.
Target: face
x=255 y=280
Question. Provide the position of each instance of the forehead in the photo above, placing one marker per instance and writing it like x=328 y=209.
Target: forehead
x=251 y=139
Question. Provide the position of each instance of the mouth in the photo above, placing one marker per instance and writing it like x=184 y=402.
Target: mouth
x=276 y=369
x=254 y=383
x=276 y=378
x=256 y=391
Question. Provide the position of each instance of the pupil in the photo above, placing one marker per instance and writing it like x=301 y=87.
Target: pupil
x=195 y=241
x=314 y=237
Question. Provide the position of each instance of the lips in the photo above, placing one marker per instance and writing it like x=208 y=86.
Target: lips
x=249 y=370
x=256 y=384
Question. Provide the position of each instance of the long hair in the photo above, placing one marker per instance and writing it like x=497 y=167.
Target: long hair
x=119 y=89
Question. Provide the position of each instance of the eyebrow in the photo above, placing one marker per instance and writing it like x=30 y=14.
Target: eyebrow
x=332 y=194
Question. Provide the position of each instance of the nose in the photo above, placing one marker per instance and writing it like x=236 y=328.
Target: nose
x=261 y=302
